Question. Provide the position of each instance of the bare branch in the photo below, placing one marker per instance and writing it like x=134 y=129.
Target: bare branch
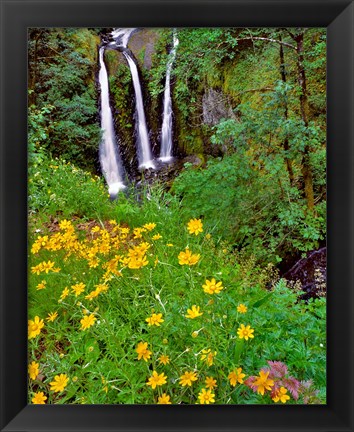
x=267 y=40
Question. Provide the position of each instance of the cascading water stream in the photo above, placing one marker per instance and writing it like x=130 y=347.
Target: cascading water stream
x=111 y=164
x=144 y=152
x=166 y=130
x=121 y=37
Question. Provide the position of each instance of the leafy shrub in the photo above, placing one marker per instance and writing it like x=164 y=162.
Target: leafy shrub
x=155 y=314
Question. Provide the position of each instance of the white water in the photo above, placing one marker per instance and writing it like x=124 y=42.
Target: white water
x=121 y=36
x=111 y=164
x=166 y=130
x=144 y=152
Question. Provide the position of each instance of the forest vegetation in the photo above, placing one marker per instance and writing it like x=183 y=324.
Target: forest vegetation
x=172 y=293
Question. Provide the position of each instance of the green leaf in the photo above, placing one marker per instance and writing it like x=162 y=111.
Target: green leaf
x=261 y=301
x=238 y=350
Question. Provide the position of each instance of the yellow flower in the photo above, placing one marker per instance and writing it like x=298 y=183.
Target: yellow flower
x=39 y=398
x=150 y=226
x=143 y=352
x=245 y=332
x=59 y=383
x=87 y=321
x=263 y=383
x=169 y=244
x=280 y=395
x=236 y=376
x=34 y=327
x=164 y=359
x=212 y=287
x=137 y=232
x=208 y=236
x=78 y=288
x=33 y=370
x=64 y=294
x=187 y=258
x=93 y=294
x=136 y=263
x=155 y=319
x=164 y=399
x=208 y=356
x=52 y=316
x=195 y=226
x=210 y=383
x=206 y=397
x=41 y=285
x=47 y=266
x=156 y=380
x=157 y=237
x=241 y=308
x=187 y=378
x=194 y=312
x=66 y=225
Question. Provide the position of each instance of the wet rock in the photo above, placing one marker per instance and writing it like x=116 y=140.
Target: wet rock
x=309 y=274
x=216 y=106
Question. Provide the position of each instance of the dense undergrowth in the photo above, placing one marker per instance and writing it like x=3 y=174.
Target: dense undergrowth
x=140 y=302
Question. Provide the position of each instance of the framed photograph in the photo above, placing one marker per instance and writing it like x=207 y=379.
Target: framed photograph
x=176 y=215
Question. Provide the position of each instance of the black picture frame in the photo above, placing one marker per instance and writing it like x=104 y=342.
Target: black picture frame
x=16 y=17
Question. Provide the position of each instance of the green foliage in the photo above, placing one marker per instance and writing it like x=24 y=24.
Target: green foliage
x=39 y=126
x=252 y=209
x=102 y=362
x=58 y=187
x=61 y=67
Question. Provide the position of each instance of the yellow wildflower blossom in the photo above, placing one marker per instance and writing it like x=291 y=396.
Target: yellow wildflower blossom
x=212 y=287
x=281 y=395
x=245 y=332
x=41 y=285
x=33 y=370
x=87 y=321
x=263 y=382
x=164 y=399
x=194 y=312
x=187 y=258
x=164 y=359
x=150 y=226
x=206 y=397
x=187 y=378
x=59 y=383
x=155 y=319
x=241 y=308
x=208 y=356
x=156 y=380
x=78 y=288
x=143 y=352
x=210 y=383
x=64 y=294
x=195 y=226
x=236 y=376
x=39 y=398
x=34 y=327
x=52 y=316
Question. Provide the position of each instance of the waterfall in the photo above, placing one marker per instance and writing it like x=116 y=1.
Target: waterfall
x=166 y=130
x=111 y=164
x=144 y=152
x=121 y=36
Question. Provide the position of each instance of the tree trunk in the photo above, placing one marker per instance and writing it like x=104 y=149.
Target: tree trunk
x=304 y=108
x=288 y=161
